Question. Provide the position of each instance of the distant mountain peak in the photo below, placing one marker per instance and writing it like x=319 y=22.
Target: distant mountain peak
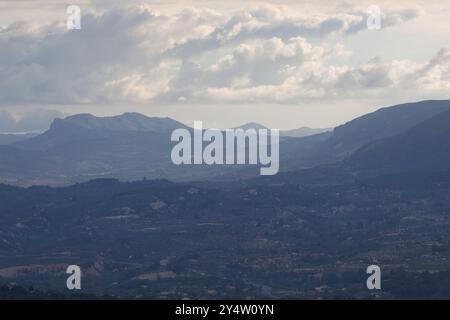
x=304 y=132
x=130 y=121
x=252 y=125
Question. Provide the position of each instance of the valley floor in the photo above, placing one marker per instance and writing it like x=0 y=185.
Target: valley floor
x=160 y=240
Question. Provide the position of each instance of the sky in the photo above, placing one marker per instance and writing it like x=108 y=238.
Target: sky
x=284 y=64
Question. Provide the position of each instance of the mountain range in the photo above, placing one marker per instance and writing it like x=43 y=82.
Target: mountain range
x=424 y=146
x=132 y=146
x=294 y=133
x=374 y=190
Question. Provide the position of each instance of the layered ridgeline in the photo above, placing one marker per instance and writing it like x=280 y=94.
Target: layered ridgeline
x=133 y=146
x=84 y=147
x=370 y=145
x=294 y=133
x=346 y=139
x=374 y=189
x=412 y=137
x=423 y=147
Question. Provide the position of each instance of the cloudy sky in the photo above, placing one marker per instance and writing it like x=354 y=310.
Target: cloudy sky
x=284 y=64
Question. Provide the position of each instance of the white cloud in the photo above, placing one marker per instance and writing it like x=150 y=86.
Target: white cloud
x=263 y=54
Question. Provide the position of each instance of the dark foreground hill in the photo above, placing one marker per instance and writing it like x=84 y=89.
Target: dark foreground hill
x=425 y=146
x=157 y=239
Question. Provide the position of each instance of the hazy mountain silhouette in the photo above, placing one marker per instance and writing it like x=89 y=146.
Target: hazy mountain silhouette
x=6 y=138
x=87 y=126
x=125 y=122
x=303 y=132
x=364 y=188
x=251 y=125
x=294 y=133
x=82 y=147
x=132 y=146
x=334 y=146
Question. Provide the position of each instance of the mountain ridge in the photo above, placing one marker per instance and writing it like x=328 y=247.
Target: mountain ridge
x=132 y=146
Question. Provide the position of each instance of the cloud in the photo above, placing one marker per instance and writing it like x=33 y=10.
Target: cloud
x=137 y=54
x=36 y=120
x=269 y=21
x=315 y=79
